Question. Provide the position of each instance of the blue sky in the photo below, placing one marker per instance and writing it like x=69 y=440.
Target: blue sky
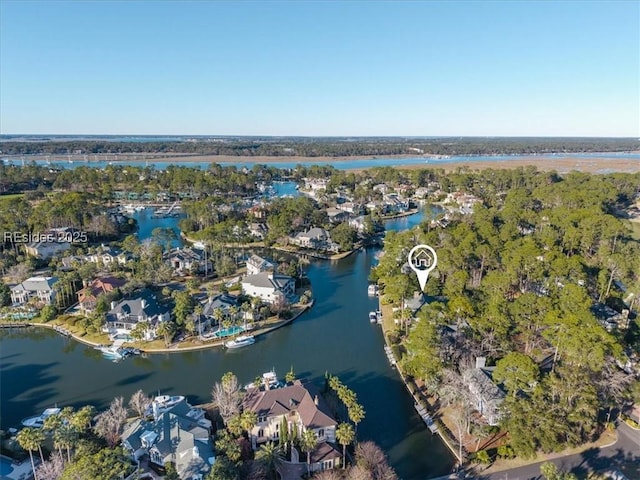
x=511 y=68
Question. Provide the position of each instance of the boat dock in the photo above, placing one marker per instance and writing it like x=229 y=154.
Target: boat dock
x=426 y=418
x=390 y=357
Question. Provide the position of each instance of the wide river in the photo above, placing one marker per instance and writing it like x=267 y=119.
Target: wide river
x=41 y=368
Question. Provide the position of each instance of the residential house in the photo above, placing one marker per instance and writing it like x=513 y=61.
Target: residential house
x=270 y=287
x=222 y=303
x=393 y=203
x=315 y=185
x=351 y=207
x=358 y=223
x=316 y=238
x=144 y=308
x=258 y=230
x=298 y=407
x=257 y=264
x=486 y=395
x=185 y=260
x=107 y=255
x=609 y=318
x=88 y=296
x=336 y=215
x=51 y=243
x=38 y=289
x=177 y=433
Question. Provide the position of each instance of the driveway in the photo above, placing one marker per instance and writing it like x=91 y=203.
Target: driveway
x=625 y=451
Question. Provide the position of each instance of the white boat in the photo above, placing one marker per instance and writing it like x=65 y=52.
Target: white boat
x=372 y=290
x=241 y=341
x=38 y=422
x=111 y=352
x=373 y=317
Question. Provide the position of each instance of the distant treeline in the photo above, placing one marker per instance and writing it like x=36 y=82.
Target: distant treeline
x=332 y=147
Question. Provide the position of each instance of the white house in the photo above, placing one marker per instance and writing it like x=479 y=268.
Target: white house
x=37 y=288
x=298 y=407
x=269 y=286
x=125 y=315
x=107 y=255
x=257 y=264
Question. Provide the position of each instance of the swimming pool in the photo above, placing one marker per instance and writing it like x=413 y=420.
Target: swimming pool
x=6 y=467
x=227 y=332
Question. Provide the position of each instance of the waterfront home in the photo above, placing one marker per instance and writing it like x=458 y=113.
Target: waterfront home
x=187 y=260
x=269 y=287
x=37 y=289
x=393 y=203
x=257 y=264
x=144 y=308
x=177 y=433
x=315 y=238
x=88 y=296
x=222 y=303
x=298 y=407
x=487 y=397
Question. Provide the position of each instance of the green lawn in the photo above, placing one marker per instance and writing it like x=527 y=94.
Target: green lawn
x=10 y=196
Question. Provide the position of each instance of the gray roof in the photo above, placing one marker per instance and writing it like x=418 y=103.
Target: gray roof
x=301 y=397
x=259 y=262
x=268 y=280
x=315 y=233
x=222 y=301
x=134 y=307
x=174 y=432
x=36 y=284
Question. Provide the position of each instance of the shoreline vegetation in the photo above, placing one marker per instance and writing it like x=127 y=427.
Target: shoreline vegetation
x=563 y=164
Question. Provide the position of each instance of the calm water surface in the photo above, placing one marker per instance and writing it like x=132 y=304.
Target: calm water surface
x=40 y=368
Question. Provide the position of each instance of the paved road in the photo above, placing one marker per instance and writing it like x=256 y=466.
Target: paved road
x=625 y=450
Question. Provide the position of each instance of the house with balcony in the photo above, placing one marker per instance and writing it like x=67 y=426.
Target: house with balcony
x=256 y=264
x=177 y=433
x=298 y=407
x=88 y=296
x=487 y=397
x=36 y=289
x=107 y=255
x=186 y=260
x=127 y=314
x=269 y=287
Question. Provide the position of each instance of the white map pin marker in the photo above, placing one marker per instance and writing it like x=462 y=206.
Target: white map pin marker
x=422 y=259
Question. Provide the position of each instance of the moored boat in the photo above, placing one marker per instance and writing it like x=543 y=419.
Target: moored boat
x=38 y=422
x=373 y=317
x=241 y=341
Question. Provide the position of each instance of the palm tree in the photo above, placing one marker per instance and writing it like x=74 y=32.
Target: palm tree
x=308 y=442
x=31 y=439
x=345 y=435
x=356 y=414
x=166 y=329
x=64 y=437
x=271 y=455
